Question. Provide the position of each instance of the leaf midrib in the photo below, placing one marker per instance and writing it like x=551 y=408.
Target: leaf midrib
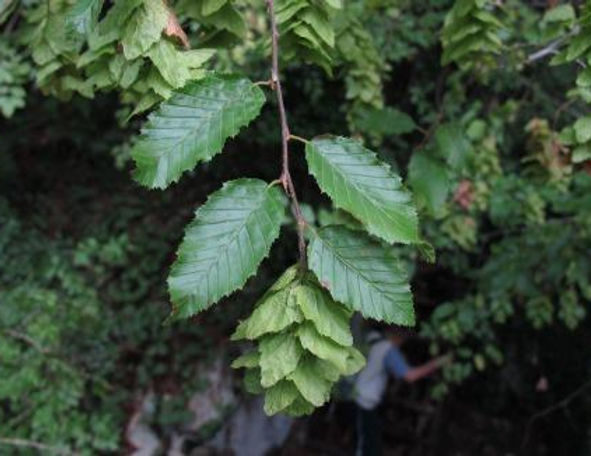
x=356 y=185
x=348 y=264
x=201 y=125
x=234 y=236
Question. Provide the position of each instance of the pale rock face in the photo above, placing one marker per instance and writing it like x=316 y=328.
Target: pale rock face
x=207 y=405
x=247 y=432
x=138 y=434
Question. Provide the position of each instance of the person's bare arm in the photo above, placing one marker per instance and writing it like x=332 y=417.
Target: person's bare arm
x=418 y=372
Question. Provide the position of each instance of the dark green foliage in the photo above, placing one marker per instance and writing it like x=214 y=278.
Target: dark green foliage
x=14 y=74
x=46 y=305
x=306 y=30
x=470 y=34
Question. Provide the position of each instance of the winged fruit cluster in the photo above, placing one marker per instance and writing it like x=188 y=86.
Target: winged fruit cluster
x=470 y=34
x=303 y=345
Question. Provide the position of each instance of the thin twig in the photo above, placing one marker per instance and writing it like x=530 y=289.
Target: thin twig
x=285 y=135
x=37 y=445
x=298 y=138
x=552 y=48
x=563 y=107
x=28 y=340
x=14 y=422
x=427 y=134
x=547 y=411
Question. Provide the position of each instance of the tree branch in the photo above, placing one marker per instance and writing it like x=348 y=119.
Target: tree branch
x=552 y=48
x=562 y=404
x=55 y=356
x=285 y=178
x=28 y=340
x=36 y=445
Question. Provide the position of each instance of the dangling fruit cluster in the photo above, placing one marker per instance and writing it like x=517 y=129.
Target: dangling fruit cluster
x=303 y=345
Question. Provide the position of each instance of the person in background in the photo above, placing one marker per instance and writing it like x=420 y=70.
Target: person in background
x=383 y=360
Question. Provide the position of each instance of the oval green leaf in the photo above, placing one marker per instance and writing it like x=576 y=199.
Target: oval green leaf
x=357 y=181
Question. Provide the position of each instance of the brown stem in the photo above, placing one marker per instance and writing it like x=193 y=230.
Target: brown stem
x=285 y=178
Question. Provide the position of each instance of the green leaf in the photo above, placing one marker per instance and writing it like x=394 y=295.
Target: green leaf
x=280 y=354
x=310 y=382
x=286 y=278
x=165 y=57
x=386 y=121
x=130 y=73
x=83 y=16
x=192 y=126
x=211 y=6
x=158 y=84
x=488 y=18
x=567 y=136
x=174 y=65
x=581 y=153
x=355 y=362
x=109 y=29
x=280 y=396
x=336 y=4
x=144 y=28
x=357 y=181
x=311 y=40
x=58 y=38
x=145 y=103
x=322 y=347
x=361 y=274
x=299 y=407
x=195 y=58
x=330 y=319
x=227 y=18
x=452 y=144
x=286 y=10
x=584 y=78
x=428 y=178
x=559 y=13
x=427 y=251
x=320 y=24
x=583 y=129
x=224 y=245
x=272 y=314
x=578 y=45
x=248 y=360
x=252 y=381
